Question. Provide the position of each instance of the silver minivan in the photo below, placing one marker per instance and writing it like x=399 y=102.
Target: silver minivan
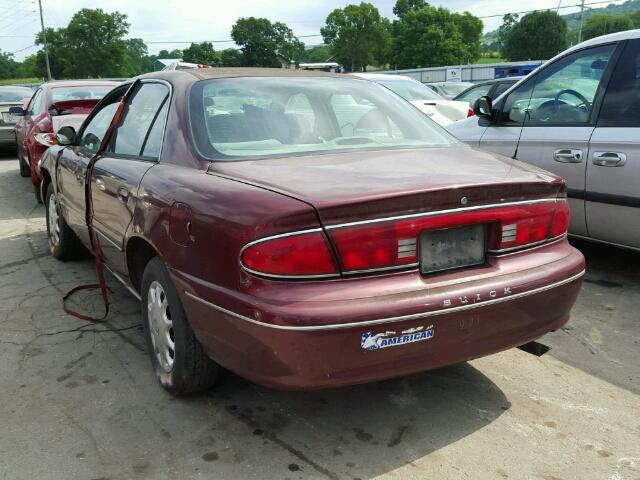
x=578 y=116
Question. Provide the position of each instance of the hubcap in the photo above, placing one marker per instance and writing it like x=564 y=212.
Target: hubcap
x=161 y=326
x=54 y=226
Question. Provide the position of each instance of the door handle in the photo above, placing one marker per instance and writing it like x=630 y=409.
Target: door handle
x=567 y=155
x=100 y=184
x=609 y=159
x=123 y=194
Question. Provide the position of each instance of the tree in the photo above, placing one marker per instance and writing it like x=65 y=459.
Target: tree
x=357 y=35
x=175 y=53
x=427 y=36
x=317 y=54
x=402 y=7
x=508 y=21
x=201 y=53
x=537 y=36
x=58 y=60
x=8 y=65
x=230 y=57
x=137 y=60
x=602 y=24
x=262 y=42
x=28 y=67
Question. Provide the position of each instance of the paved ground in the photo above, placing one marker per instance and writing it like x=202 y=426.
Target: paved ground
x=79 y=401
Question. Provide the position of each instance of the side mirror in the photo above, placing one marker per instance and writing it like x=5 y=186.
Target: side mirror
x=66 y=135
x=17 y=111
x=483 y=107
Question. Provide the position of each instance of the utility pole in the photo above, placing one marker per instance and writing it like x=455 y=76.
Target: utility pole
x=44 y=40
x=581 y=20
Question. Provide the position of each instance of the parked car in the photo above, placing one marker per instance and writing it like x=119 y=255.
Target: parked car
x=490 y=88
x=266 y=233
x=448 y=90
x=578 y=117
x=10 y=96
x=53 y=105
x=424 y=99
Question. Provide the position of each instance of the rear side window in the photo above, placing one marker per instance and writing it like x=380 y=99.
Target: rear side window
x=621 y=106
x=476 y=92
x=96 y=129
x=140 y=115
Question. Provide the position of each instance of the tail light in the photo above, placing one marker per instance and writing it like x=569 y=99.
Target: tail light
x=302 y=254
x=46 y=139
x=470 y=112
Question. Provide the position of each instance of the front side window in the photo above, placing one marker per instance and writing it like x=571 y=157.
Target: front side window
x=621 y=106
x=278 y=116
x=35 y=105
x=96 y=129
x=562 y=93
x=140 y=113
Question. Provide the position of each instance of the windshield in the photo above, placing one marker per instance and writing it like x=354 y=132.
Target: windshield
x=14 y=94
x=410 y=90
x=283 y=116
x=81 y=92
x=454 y=88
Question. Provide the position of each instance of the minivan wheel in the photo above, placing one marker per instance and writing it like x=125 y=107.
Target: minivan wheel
x=63 y=242
x=177 y=357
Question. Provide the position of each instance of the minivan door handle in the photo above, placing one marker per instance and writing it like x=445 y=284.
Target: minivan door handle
x=609 y=159
x=567 y=155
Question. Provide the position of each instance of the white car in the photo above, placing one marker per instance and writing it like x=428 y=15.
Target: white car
x=423 y=98
x=578 y=116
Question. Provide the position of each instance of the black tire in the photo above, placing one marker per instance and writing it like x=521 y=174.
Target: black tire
x=25 y=170
x=67 y=245
x=191 y=370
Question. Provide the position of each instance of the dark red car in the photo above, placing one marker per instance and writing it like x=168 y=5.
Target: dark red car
x=53 y=105
x=308 y=230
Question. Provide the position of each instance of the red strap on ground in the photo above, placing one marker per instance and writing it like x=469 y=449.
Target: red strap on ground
x=95 y=244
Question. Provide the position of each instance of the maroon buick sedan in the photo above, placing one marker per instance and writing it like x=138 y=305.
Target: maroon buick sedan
x=307 y=230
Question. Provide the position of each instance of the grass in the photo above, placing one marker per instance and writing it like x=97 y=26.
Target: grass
x=18 y=81
x=490 y=60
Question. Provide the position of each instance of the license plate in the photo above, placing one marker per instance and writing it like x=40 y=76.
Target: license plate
x=450 y=248
x=8 y=118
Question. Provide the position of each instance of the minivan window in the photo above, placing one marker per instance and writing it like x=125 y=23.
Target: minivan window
x=621 y=106
x=563 y=92
x=276 y=116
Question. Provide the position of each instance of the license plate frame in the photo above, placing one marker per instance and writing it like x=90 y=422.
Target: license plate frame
x=452 y=248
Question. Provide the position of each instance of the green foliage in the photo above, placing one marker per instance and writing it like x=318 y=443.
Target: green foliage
x=317 y=54
x=358 y=36
x=8 y=65
x=201 y=53
x=402 y=7
x=175 y=53
x=427 y=36
x=602 y=24
x=20 y=81
x=537 y=36
x=508 y=21
x=262 y=42
x=137 y=60
x=28 y=68
x=230 y=57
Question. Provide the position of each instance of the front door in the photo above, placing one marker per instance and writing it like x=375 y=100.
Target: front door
x=133 y=149
x=558 y=120
x=613 y=170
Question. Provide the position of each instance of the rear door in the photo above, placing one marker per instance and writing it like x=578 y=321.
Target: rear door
x=133 y=148
x=613 y=171
x=556 y=110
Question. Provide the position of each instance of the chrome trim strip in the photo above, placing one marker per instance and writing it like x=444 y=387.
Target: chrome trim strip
x=382 y=269
x=390 y=319
x=121 y=280
x=604 y=242
x=529 y=245
x=108 y=239
x=445 y=212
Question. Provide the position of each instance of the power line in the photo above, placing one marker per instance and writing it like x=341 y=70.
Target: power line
x=23 y=49
x=558 y=8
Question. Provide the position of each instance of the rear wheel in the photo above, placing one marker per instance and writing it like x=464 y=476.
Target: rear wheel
x=63 y=242
x=177 y=357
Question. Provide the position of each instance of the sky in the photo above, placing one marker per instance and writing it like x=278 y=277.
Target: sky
x=200 y=20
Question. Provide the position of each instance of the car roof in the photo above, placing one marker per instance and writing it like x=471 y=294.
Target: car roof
x=79 y=83
x=210 y=73
x=612 y=37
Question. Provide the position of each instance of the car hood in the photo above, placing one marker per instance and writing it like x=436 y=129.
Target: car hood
x=371 y=183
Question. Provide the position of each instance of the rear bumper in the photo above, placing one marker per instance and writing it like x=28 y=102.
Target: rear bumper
x=315 y=343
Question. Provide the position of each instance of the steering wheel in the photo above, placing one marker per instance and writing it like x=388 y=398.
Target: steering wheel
x=578 y=95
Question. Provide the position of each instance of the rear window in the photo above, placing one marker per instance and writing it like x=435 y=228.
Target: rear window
x=287 y=116
x=409 y=90
x=14 y=94
x=88 y=92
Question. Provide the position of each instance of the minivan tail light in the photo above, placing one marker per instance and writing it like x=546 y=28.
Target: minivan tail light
x=300 y=254
x=470 y=112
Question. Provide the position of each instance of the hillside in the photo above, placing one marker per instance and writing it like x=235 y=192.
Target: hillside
x=573 y=19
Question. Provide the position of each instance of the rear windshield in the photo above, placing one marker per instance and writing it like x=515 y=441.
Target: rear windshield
x=235 y=118
x=409 y=90
x=61 y=94
x=14 y=94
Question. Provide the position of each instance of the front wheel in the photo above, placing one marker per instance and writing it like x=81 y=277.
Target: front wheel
x=177 y=357
x=63 y=242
